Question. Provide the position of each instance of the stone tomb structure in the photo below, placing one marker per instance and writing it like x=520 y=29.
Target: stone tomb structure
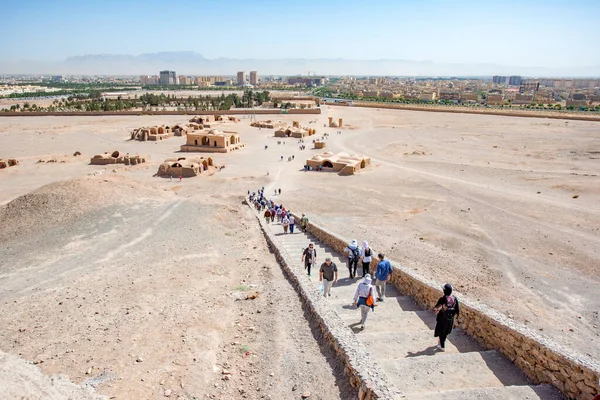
x=212 y=141
x=333 y=124
x=320 y=145
x=185 y=167
x=342 y=163
x=208 y=121
x=154 y=133
x=116 y=158
x=269 y=124
x=294 y=131
x=11 y=162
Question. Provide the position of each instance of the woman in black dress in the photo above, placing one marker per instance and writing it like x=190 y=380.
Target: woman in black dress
x=447 y=310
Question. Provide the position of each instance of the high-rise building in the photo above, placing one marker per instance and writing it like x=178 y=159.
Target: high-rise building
x=514 y=80
x=167 y=78
x=241 y=77
x=253 y=77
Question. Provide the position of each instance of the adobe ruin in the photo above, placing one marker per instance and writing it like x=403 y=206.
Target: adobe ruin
x=269 y=124
x=186 y=167
x=342 y=163
x=11 y=162
x=154 y=133
x=208 y=121
x=294 y=131
x=212 y=141
x=116 y=158
x=320 y=145
x=333 y=124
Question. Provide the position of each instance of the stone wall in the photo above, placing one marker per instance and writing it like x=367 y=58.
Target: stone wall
x=542 y=360
x=109 y=113
x=564 y=114
x=304 y=111
x=362 y=371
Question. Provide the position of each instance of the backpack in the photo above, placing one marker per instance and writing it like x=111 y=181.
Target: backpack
x=354 y=252
x=368 y=252
x=451 y=307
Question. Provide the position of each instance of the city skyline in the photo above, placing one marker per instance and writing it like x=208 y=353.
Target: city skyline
x=536 y=34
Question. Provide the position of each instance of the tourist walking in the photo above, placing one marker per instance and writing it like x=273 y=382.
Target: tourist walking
x=280 y=191
x=279 y=212
x=286 y=224
x=447 y=310
x=267 y=215
x=353 y=255
x=328 y=274
x=367 y=257
x=292 y=222
x=364 y=299
x=304 y=222
x=309 y=256
x=272 y=214
x=382 y=275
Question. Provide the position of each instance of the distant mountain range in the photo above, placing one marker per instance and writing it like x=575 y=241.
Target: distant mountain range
x=191 y=63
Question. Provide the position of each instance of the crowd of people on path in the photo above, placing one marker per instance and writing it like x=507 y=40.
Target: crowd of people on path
x=274 y=211
x=371 y=289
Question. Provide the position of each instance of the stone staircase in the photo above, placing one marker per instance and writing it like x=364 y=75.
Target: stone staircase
x=399 y=337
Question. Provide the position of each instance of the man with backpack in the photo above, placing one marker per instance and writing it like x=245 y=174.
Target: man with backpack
x=309 y=256
x=447 y=310
x=383 y=274
x=353 y=255
x=304 y=222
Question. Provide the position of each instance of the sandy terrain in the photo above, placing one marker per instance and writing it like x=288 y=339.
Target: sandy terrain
x=507 y=209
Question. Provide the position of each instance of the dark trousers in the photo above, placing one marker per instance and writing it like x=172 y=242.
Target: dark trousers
x=443 y=341
x=365 y=268
x=307 y=266
x=352 y=265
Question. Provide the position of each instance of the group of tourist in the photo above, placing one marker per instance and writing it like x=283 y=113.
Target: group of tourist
x=367 y=293
x=309 y=168
x=274 y=211
x=258 y=200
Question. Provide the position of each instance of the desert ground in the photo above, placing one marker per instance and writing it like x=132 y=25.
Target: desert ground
x=137 y=285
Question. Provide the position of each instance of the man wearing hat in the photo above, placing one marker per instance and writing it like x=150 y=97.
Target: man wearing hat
x=328 y=274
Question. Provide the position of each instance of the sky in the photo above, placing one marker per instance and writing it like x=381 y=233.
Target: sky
x=522 y=33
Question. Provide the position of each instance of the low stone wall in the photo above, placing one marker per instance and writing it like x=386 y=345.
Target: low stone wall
x=362 y=371
x=542 y=360
x=304 y=111
x=465 y=110
x=269 y=111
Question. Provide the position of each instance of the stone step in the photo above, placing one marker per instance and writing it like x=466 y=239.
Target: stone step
x=431 y=374
x=381 y=323
x=541 y=392
x=395 y=345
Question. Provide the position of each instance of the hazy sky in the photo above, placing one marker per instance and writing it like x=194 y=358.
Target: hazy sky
x=523 y=33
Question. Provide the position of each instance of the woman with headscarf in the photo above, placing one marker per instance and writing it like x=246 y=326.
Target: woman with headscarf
x=367 y=254
x=447 y=310
x=363 y=292
x=353 y=255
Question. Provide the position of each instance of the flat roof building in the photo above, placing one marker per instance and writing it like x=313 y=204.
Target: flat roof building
x=241 y=78
x=167 y=78
x=253 y=77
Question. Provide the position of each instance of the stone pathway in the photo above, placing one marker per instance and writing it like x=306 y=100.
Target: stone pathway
x=399 y=336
